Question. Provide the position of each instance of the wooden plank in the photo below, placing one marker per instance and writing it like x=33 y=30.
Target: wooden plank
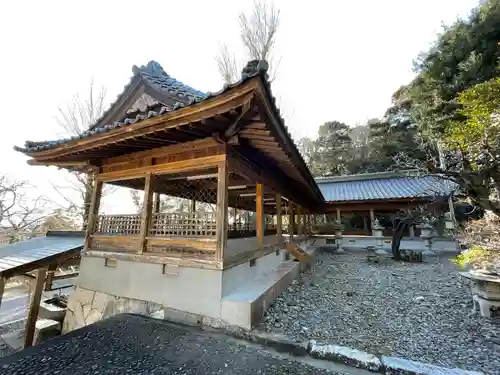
x=259 y=211
x=279 y=220
x=222 y=203
x=34 y=307
x=166 y=168
x=158 y=259
x=209 y=108
x=95 y=202
x=147 y=210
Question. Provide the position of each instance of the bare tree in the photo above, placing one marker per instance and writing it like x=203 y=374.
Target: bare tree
x=226 y=63
x=258 y=32
x=77 y=116
x=18 y=212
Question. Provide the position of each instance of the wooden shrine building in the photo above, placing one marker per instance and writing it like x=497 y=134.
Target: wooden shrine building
x=357 y=200
x=220 y=151
x=231 y=157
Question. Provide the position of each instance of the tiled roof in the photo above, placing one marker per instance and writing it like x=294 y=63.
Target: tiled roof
x=386 y=185
x=156 y=76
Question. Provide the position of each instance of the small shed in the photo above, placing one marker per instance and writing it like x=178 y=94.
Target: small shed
x=38 y=258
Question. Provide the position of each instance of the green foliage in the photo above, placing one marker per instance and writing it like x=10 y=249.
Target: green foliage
x=470 y=257
x=479 y=131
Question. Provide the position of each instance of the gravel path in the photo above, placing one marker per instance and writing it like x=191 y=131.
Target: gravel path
x=421 y=312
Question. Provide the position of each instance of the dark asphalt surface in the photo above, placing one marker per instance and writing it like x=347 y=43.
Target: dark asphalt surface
x=131 y=344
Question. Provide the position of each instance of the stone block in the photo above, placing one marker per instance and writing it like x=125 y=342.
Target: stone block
x=100 y=301
x=399 y=366
x=51 y=311
x=182 y=317
x=46 y=329
x=93 y=316
x=343 y=354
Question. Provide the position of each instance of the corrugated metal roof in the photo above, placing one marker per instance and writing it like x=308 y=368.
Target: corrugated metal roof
x=21 y=254
x=380 y=186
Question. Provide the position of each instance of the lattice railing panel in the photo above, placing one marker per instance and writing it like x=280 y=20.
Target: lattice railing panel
x=118 y=225
x=183 y=224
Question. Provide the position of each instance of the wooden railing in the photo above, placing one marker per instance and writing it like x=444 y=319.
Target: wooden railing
x=175 y=224
x=122 y=225
x=183 y=224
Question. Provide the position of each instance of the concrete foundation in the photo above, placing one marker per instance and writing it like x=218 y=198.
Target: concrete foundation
x=237 y=296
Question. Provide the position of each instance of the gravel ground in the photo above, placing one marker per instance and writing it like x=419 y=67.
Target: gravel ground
x=421 y=312
x=131 y=344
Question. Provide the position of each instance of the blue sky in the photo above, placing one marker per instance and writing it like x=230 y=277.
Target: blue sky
x=340 y=60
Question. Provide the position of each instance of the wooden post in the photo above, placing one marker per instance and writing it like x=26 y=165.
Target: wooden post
x=95 y=201
x=34 y=307
x=279 y=220
x=3 y=280
x=147 y=208
x=259 y=210
x=412 y=228
x=222 y=202
x=157 y=201
x=338 y=214
x=193 y=205
x=372 y=215
x=299 y=221
x=291 y=221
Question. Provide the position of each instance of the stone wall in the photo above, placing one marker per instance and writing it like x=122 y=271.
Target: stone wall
x=86 y=307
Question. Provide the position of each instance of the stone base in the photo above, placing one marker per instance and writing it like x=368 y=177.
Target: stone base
x=46 y=329
x=87 y=306
x=488 y=309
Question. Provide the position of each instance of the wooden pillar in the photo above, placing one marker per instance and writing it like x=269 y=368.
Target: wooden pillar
x=259 y=211
x=3 y=280
x=157 y=205
x=291 y=221
x=193 y=205
x=299 y=221
x=147 y=208
x=222 y=202
x=372 y=215
x=412 y=228
x=279 y=220
x=95 y=201
x=34 y=307
x=338 y=214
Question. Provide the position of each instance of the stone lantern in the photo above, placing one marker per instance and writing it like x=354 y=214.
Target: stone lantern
x=378 y=234
x=427 y=235
x=337 y=230
x=448 y=221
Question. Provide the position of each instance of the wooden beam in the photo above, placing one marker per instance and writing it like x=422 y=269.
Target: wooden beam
x=157 y=202
x=147 y=208
x=238 y=122
x=34 y=307
x=279 y=220
x=95 y=202
x=259 y=210
x=222 y=203
x=164 y=168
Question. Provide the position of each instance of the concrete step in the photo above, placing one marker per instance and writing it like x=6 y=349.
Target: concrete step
x=248 y=303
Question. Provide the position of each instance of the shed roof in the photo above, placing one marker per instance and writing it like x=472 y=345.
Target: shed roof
x=383 y=186
x=34 y=253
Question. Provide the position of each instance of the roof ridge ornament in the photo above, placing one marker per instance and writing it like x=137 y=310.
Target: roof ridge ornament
x=152 y=67
x=255 y=67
